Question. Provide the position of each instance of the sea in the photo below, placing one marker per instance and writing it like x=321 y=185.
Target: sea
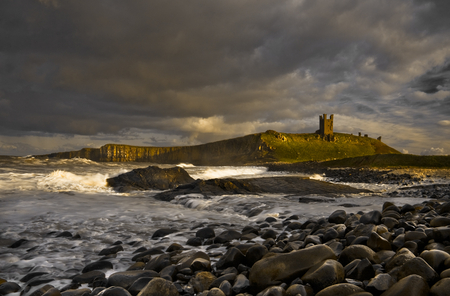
x=42 y=198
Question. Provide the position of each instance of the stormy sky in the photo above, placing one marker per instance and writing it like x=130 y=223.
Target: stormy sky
x=77 y=74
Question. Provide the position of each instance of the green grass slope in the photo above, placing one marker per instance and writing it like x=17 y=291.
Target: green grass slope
x=260 y=148
x=284 y=147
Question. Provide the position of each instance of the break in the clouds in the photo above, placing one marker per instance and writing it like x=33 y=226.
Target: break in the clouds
x=75 y=74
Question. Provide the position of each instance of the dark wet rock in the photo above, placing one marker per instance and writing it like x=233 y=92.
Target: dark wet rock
x=400 y=258
x=272 y=291
x=241 y=283
x=65 y=234
x=372 y=217
x=338 y=217
x=159 y=287
x=114 y=291
x=294 y=225
x=137 y=266
x=392 y=214
x=112 y=250
x=125 y=279
x=18 y=243
x=232 y=258
x=250 y=229
x=194 y=241
x=412 y=285
x=215 y=292
x=380 y=283
x=296 y=289
x=42 y=290
x=330 y=234
x=389 y=222
x=206 y=232
x=377 y=243
x=39 y=281
x=227 y=236
x=420 y=267
x=440 y=221
x=202 y=281
x=226 y=288
x=148 y=178
x=385 y=255
x=71 y=286
x=152 y=251
x=359 y=269
x=163 y=232
x=88 y=277
x=441 y=288
x=52 y=292
x=187 y=259
x=77 y=292
x=138 y=285
x=226 y=277
x=9 y=287
x=174 y=247
x=337 y=247
x=269 y=233
x=285 y=185
x=436 y=259
x=358 y=252
x=324 y=274
x=31 y=275
x=360 y=240
x=407 y=208
x=340 y=289
x=313 y=239
x=415 y=235
x=281 y=267
x=362 y=230
x=98 y=265
x=201 y=264
x=255 y=253
x=158 y=263
x=169 y=272
x=399 y=241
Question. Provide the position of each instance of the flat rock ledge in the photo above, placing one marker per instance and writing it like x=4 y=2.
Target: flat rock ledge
x=282 y=185
x=398 y=250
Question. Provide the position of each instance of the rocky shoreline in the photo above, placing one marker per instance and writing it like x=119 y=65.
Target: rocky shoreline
x=394 y=251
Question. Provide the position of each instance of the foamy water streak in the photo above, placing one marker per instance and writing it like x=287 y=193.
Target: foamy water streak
x=218 y=172
x=65 y=181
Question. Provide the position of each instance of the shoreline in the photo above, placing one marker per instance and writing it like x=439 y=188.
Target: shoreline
x=381 y=251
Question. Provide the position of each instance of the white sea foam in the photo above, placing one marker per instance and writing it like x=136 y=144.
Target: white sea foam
x=65 y=181
x=218 y=172
x=185 y=165
x=317 y=177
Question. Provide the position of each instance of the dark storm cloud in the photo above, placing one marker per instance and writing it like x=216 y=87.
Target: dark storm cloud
x=435 y=80
x=205 y=70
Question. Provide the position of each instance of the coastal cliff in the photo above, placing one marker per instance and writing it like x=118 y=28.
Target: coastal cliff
x=260 y=148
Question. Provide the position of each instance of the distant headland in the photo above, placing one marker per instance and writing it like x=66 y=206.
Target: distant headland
x=260 y=148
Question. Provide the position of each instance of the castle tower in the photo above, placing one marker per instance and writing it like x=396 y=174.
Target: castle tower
x=326 y=127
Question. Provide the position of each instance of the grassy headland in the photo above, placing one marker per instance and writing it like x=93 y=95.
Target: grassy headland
x=261 y=148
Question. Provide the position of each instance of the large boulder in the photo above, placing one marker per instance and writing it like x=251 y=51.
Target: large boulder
x=272 y=270
x=151 y=177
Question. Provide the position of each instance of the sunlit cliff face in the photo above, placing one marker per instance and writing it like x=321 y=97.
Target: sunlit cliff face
x=76 y=74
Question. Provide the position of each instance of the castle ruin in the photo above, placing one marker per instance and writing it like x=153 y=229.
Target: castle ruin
x=326 y=127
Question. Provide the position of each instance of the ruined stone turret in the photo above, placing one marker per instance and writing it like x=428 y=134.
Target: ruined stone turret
x=326 y=127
